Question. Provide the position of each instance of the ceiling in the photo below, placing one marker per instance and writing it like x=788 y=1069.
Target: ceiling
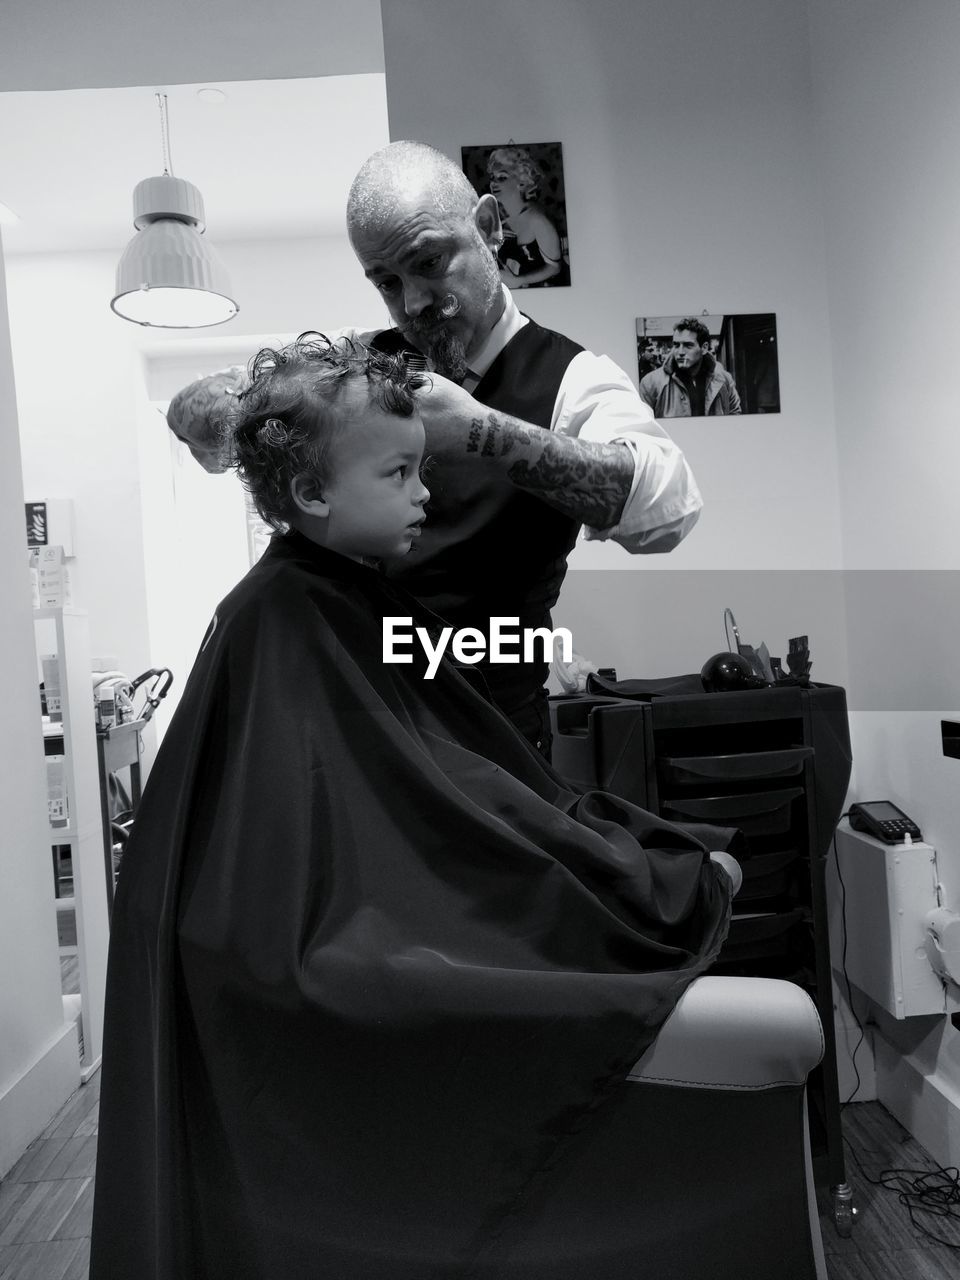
x=273 y=159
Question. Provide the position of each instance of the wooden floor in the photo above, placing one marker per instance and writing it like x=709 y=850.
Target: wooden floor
x=884 y=1245
x=47 y=1199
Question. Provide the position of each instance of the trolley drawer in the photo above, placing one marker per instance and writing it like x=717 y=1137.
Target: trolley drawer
x=756 y=813
x=744 y=766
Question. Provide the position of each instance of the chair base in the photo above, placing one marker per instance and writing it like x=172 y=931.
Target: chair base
x=673 y=1184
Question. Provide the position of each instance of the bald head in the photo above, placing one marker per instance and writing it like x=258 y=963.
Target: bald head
x=404 y=175
x=427 y=243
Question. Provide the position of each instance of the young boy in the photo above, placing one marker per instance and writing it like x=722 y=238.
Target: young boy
x=372 y=962
x=329 y=443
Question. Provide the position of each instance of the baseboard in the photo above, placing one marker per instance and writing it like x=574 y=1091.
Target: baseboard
x=29 y=1104
x=926 y=1105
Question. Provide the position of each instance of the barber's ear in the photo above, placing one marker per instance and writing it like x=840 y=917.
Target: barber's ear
x=307 y=498
x=487 y=218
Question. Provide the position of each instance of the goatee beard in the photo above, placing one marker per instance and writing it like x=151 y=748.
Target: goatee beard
x=444 y=350
x=430 y=332
x=448 y=355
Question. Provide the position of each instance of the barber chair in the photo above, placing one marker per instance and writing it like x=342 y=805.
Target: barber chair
x=701 y=1169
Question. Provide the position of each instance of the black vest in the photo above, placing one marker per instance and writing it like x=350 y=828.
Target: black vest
x=489 y=549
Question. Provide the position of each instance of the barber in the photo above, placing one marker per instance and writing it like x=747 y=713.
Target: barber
x=529 y=436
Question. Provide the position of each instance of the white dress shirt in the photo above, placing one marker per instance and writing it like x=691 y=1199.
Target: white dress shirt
x=597 y=401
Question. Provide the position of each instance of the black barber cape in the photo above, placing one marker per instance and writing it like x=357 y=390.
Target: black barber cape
x=371 y=964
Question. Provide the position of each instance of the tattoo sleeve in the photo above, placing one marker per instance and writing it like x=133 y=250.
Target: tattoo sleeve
x=582 y=478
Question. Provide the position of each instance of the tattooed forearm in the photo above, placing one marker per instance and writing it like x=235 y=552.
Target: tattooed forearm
x=586 y=480
x=494 y=436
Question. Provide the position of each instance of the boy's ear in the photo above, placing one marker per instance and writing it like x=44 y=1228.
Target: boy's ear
x=307 y=498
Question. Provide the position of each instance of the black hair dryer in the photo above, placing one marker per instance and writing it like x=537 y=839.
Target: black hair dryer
x=741 y=666
x=729 y=673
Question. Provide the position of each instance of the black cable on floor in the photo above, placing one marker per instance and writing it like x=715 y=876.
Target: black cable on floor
x=933 y=1191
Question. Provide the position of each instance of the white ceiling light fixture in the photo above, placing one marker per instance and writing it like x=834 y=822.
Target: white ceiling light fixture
x=169 y=277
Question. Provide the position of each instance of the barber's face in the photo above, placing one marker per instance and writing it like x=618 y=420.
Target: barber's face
x=438 y=277
x=687 y=352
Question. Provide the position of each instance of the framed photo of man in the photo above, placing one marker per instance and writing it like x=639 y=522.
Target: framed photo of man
x=705 y=366
x=527 y=181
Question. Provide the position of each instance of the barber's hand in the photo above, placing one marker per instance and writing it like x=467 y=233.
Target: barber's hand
x=448 y=412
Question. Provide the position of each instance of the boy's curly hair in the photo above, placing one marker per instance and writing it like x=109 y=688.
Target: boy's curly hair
x=287 y=418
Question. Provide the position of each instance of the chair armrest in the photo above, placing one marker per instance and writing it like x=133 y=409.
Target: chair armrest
x=736 y=1033
x=731 y=866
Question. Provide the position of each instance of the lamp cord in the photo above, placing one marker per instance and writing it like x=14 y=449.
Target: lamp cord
x=165 y=135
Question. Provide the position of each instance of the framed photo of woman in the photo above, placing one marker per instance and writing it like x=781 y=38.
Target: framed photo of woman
x=527 y=181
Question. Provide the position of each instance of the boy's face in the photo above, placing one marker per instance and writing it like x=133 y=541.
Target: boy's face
x=375 y=495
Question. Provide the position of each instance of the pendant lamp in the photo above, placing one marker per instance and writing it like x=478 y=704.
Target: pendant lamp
x=169 y=277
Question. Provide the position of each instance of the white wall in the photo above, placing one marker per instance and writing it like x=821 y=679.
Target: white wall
x=688 y=159
x=688 y=149
x=888 y=100
x=77 y=375
x=90 y=431
x=39 y=1065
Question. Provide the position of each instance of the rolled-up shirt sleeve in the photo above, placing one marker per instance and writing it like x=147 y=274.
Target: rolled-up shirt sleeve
x=597 y=401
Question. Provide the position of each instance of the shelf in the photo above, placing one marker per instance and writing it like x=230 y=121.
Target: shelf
x=121 y=730
x=82 y=913
x=62 y=611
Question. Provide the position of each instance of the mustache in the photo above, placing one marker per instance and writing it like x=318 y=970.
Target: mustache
x=433 y=317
